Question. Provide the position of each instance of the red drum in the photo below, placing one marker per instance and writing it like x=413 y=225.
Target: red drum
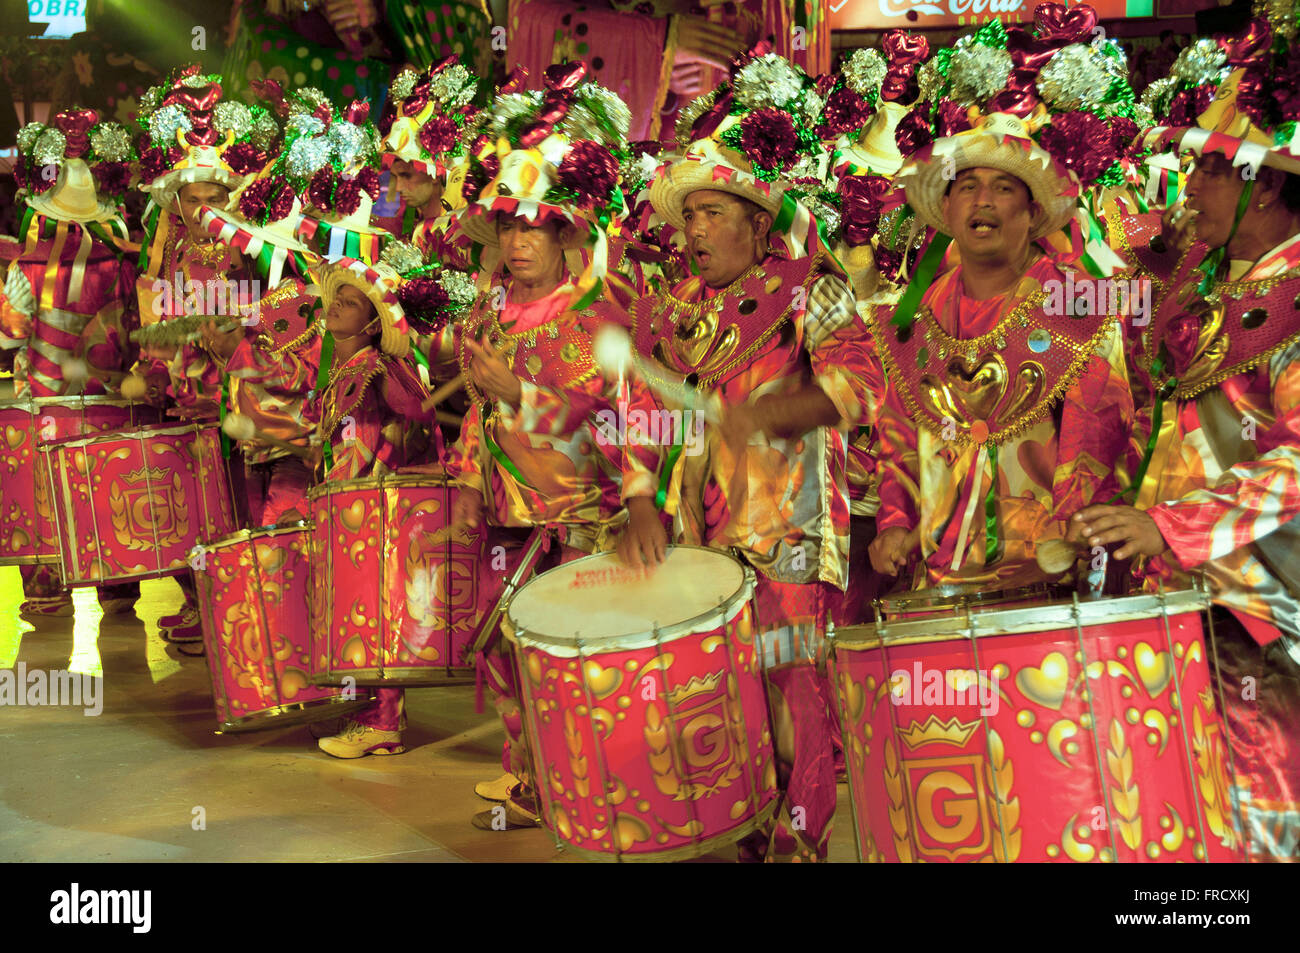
x=1068 y=731
x=252 y=591
x=396 y=594
x=137 y=503
x=646 y=709
x=27 y=532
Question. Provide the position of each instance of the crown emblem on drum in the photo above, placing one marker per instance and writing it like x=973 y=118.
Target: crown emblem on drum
x=696 y=686
x=933 y=731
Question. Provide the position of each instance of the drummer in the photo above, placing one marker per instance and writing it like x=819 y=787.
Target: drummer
x=530 y=453
x=371 y=422
x=69 y=335
x=974 y=478
x=1222 y=488
x=178 y=244
x=770 y=327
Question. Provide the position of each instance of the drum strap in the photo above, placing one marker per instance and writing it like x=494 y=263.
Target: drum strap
x=322 y=384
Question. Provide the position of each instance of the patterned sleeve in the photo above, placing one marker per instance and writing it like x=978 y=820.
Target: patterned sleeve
x=462 y=463
x=898 y=464
x=844 y=360
x=1254 y=497
x=1096 y=425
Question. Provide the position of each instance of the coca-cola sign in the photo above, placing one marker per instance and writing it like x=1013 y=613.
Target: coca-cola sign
x=921 y=14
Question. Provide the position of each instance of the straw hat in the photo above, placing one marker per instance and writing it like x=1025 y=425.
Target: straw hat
x=379 y=283
x=73 y=197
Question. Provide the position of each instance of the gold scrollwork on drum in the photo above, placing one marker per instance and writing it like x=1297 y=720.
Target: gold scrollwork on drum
x=1211 y=770
x=145 y=505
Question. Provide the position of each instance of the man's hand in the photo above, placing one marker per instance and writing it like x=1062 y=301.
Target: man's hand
x=644 y=543
x=467 y=511
x=492 y=375
x=221 y=343
x=1178 y=227
x=1104 y=525
x=741 y=421
x=159 y=352
x=889 y=551
x=687 y=79
x=700 y=41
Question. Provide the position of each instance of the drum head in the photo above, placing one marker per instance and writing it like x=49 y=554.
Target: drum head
x=599 y=601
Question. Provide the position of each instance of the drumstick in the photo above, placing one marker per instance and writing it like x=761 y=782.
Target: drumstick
x=524 y=569
x=1055 y=556
x=453 y=420
x=444 y=391
x=239 y=427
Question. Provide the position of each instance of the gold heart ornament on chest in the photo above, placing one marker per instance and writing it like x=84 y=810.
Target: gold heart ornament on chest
x=981 y=395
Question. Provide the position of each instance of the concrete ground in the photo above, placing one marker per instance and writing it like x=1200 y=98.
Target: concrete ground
x=148 y=780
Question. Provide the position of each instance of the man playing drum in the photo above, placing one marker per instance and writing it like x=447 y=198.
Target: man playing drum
x=1221 y=493
x=530 y=452
x=772 y=331
x=67 y=304
x=1007 y=411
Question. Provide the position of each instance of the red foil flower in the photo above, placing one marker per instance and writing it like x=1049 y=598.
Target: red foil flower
x=1081 y=142
x=252 y=201
x=321 y=187
x=846 y=111
x=244 y=158
x=1123 y=131
x=112 y=178
x=913 y=132
x=347 y=196
x=768 y=138
x=951 y=118
x=590 y=170
x=368 y=182
x=861 y=198
x=439 y=134
x=281 y=204
x=1188 y=104
x=425 y=303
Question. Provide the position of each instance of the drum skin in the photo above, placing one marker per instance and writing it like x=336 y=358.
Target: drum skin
x=396 y=592
x=656 y=753
x=1131 y=766
x=252 y=594
x=27 y=531
x=136 y=504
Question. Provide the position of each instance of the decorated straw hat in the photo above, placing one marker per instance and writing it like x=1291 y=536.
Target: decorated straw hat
x=885 y=83
x=552 y=155
x=378 y=282
x=1235 y=95
x=429 y=119
x=430 y=294
x=76 y=169
x=754 y=137
x=195 y=135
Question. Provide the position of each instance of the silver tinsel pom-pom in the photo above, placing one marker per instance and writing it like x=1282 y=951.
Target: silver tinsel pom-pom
x=111 y=141
x=453 y=87
x=401 y=256
x=930 y=81
x=1076 y=76
x=602 y=100
x=692 y=111
x=977 y=72
x=309 y=98
x=265 y=132
x=1200 y=63
x=198 y=81
x=404 y=84
x=305 y=124
x=865 y=71
x=28 y=135
x=459 y=287
x=812 y=108
x=768 y=81
x=307 y=155
x=1144 y=117
x=50 y=146
x=149 y=101
x=166 y=122
x=235 y=116
x=510 y=107
x=347 y=142
x=828 y=215
x=1155 y=98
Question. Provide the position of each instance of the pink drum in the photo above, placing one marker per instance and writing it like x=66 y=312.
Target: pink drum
x=252 y=590
x=646 y=711
x=27 y=531
x=137 y=503
x=396 y=594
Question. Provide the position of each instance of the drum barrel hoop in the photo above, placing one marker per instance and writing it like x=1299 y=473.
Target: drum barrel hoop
x=70 y=402
x=1012 y=621
x=429 y=480
x=247 y=535
x=140 y=433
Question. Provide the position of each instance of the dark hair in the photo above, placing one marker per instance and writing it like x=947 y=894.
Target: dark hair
x=1291 y=192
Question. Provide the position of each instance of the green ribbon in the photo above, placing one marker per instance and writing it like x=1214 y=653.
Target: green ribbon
x=1210 y=266
x=1157 y=417
x=322 y=382
x=502 y=459
x=150 y=231
x=675 y=451
x=408 y=220
x=991 y=509
x=924 y=277
x=221 y=415
x=785 y=216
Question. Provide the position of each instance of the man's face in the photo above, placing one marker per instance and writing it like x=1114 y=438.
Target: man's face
x=532 y=252
x=193 y=197
x=349 y=312
x=989 y=214
x=722 y=235
x=1213 y=190
x=418 y=189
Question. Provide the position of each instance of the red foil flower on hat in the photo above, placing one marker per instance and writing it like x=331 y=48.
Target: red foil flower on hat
x=905 y=53
x=75 y=125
